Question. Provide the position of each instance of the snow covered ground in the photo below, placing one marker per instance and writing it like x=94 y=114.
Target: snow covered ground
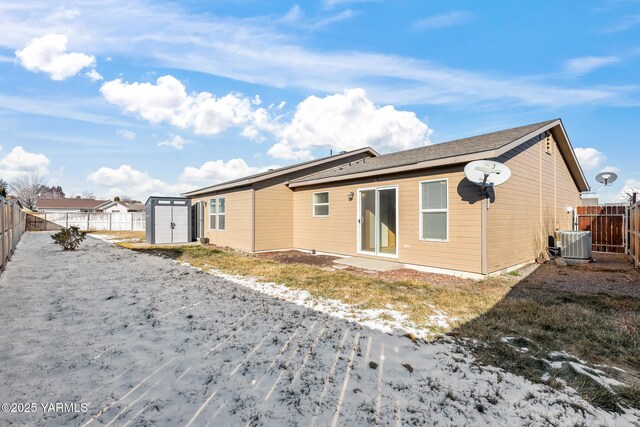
x=141 y=339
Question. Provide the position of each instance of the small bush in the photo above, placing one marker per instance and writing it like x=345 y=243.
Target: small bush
x=69 y=238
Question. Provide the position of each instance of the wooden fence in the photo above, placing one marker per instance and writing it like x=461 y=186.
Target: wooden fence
x=634 y=232
x=129 y=221
x=12 y=226
x=607 y=225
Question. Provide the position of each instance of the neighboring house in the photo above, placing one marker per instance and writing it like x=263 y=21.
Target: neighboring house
x=121 y=207
x=113 y=207
x=69 y=205
x=415 y=207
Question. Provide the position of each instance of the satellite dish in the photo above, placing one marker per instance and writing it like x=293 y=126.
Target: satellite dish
x=486 y=173
x=606 y=178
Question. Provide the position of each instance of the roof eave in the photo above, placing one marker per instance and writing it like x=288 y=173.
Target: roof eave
x=574 y=165
x=293 y=168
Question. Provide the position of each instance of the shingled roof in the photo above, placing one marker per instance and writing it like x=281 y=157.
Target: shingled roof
x=69 y=203
x=248 y=180
x=446 y=150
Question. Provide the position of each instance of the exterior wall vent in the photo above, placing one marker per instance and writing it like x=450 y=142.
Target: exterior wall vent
x=575 y=245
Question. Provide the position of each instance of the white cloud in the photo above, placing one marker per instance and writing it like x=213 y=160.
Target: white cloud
x=139 y=184
x=219 y=171
x=126 y=134
x=626 y=23
x=613 y=169
x=48 y=54
x=258 y=51
x=64 y=14
x=167 y=101
x=20 y=162
x=329 y=4
x=347 y=121
x=589 y=158
x=94 y=75
x=442 y=21
x=175 y=141
x=586 y=64
x=296 y=18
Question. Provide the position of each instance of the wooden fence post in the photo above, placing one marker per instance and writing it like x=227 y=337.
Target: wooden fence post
x=3 y=232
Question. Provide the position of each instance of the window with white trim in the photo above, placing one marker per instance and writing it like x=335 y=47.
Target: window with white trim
x=434 y=210
x=213 y=216
x=222 y=213
x=217 y=214
x=321 y=204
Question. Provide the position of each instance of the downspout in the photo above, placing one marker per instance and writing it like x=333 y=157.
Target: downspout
x=253 y=219
x=484 y=236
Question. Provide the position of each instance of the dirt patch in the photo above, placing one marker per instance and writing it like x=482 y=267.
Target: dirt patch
x=298 y=257
x=609 y=274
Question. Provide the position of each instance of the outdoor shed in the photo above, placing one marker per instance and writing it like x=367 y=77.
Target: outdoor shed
x=168 y=220
x=413 y=207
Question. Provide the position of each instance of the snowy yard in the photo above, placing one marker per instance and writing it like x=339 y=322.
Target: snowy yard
x=142 y=339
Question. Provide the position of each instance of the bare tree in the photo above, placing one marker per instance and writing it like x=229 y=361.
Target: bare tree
x=53 y=192
x=128 y=199
x=28 y=189
x=86 y=194
x=628 y=192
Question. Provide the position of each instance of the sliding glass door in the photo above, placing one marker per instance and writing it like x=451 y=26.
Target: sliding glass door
x=378 y=221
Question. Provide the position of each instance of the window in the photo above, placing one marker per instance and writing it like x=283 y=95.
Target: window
x=222 y=213
x=217 y=214
x=434 y=210
x=212 y=214
x=321 y=204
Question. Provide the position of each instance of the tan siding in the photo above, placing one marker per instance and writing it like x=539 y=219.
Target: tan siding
x=338 y=232
x=531 y=205
x=238 y=220
x=274 y=222
x=274 y=207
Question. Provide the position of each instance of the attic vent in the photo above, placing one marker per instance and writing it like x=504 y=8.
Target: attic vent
x=343 y=152
x=548 y=144
x=270 y=169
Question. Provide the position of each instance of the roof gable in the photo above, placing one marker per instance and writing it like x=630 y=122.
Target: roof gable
x=484 y=146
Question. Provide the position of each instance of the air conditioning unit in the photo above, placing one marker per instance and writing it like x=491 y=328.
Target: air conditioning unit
x=575 y=245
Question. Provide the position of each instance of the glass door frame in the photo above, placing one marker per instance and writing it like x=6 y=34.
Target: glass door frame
x=377 y=251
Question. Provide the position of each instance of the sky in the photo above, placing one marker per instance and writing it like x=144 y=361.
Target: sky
x=133 y=98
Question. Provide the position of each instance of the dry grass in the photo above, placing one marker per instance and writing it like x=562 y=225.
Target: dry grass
x=603 y=330
x=133 y=236
x=462 y=301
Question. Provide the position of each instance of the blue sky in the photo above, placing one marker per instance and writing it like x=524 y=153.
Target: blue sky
x=135 y=97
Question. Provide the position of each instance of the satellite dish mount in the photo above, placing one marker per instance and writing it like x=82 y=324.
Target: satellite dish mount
x=606 y=178
x=487 y=174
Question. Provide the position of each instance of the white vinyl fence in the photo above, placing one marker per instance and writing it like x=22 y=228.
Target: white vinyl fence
x=12 y=225
x=129 y=221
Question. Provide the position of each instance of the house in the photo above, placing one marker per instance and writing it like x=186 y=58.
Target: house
x=414 y=207
x=120 y=207
x=69 y=205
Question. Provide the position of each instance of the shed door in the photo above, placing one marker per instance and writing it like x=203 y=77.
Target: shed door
x=162 y=224
x=181 y=224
